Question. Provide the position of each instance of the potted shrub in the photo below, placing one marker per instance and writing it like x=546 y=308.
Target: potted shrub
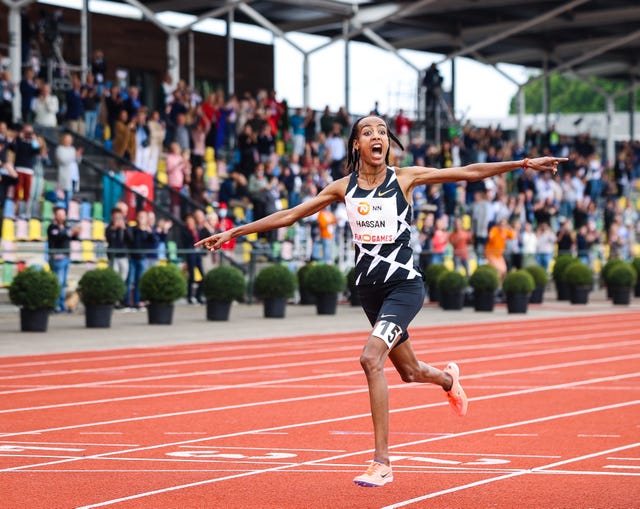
x=541 y=279
x=325 y=282
x=579 y=277
x=161 y=286
x=517 y=286
x=306 y=297
x=484 y=281
x=621 y=279
x=221 y=286
x=606 y=269
x=354 y=296
x=561 y=263
x=274 y=285
x=36 y=292
x=431 y=275
x=99 y=290
x=635 y=263
x=451 y=286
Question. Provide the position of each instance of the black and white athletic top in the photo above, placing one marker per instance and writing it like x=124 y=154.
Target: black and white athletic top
x=380 y=220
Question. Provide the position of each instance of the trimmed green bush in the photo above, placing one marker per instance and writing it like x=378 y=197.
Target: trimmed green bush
x=607 y=267
x=485 y=279
x=432 y=273
x=324 y=278
x=34 y=289
x=539 y=275
x=562 y=262
x=274 y=282
x=622 y=275
x=518 y=281
x=302 y=274
x=101 y=287
x=579 y=274
x=351 y=279
x=224 y=284
x=451 y=281
x=635 y=263
x=163 y=284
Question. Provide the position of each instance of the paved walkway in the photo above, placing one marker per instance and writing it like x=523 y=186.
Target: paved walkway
x=68 y=332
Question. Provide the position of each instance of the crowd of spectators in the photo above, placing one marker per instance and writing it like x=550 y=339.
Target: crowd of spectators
x=269 y=156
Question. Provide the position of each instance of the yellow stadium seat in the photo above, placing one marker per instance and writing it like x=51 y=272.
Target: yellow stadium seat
x=238 y=213
x=212 y=169
x=8 y=229
x=466 y=222
x=98 y=230
x=473 y=265
x=209 y=155
x=88 y=253
x=35 y=229
x=246 y=252
x=252 y=237
x=448 y=263
x=102 y=264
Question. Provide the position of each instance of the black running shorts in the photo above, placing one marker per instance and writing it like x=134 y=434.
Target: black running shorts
x=397 y=302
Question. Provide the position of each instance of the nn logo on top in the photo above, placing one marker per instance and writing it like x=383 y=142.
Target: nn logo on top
x=364 y=208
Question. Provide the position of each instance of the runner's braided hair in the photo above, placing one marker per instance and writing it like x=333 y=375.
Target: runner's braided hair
x=353 y=156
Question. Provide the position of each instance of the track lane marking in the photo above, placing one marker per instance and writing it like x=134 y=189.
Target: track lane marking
x=314 y=462
x=503 y=477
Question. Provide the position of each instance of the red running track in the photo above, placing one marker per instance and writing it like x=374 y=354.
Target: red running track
x=554 y=422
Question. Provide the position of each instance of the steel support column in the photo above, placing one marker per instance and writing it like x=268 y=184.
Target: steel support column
x=173 y=58
x=231 y=69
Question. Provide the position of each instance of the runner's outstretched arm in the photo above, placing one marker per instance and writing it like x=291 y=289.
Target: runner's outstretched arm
x=332 y=193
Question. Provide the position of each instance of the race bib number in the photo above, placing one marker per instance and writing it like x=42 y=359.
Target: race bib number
x=387 y=332
x=373 y=220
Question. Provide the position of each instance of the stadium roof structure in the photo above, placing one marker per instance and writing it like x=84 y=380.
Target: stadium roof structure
x=584 y=37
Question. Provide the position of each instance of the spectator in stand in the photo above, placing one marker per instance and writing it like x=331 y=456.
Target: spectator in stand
x=68 y=158
x=157 y=133
x=193 y=259
x=594 y=178
x=198 y=187
x=297 y=122
x=198 y=139
x=7 y=91
x=178 y=174
x=225 y=224
x=513 y=247
x=113 y=105
x=439 y=241
x=132 y=103
x=160 y=234
x=247 y=145
x=141 y=242
x=59 y=237
x=310 y=125
x=496 y=243
x=403 y=127
x=181 y=134
x=143 y=141
x=326 y=226
x=37 y=181
x=8 y=175
x=460 y=240
x=337 y=151
x=46 y=107
x=529 y=245
x=26 y=148
x=74 y=115
x=90 y=102
x=480 y=216
x=118 y=237
x=124 y=139
x=565 y=239
x=266 y=143
x=426 y=236
x=28 y=94
x=545 y=246
x=99 y=69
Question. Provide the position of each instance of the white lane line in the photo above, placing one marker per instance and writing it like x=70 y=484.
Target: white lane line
x=288 y=353
x=581 y=435
x=67 y=443
x=336 y=394
x=502 y=477
x=478 y=454
x=251 y=385
x=516 y=434
x=314 y=462
x=624 y=467
x=358 y=416
x=463 y=333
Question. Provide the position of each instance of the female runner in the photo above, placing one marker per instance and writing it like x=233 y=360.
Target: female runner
x=378 y=201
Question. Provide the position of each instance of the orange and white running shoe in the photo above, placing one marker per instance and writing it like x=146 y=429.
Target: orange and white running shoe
x=456 y=396
x=378 y=474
